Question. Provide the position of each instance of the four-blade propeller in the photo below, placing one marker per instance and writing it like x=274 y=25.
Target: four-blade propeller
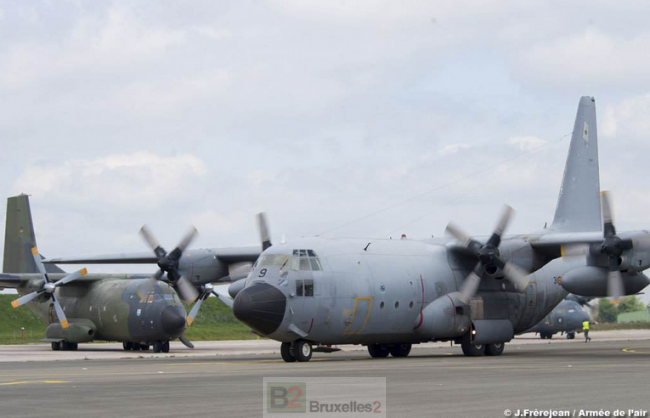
x=48 y=287
x=489 y=258
x=169 y=263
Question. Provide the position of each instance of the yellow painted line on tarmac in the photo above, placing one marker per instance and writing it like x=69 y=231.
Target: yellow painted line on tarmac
x=34 y=382
x=636 y=351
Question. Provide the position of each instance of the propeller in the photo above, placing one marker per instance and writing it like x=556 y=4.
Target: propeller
x=48 y=288
x=263 y=226
x=206 y=291
x=489 y=258
x=169 y=263
x=613 y=247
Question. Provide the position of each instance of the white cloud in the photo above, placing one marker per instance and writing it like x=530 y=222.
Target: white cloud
x=139 y=181
x=452 y=149
x=526 y=142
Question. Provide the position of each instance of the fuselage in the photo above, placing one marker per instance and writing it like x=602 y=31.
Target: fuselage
x=113 y=309
x=354 y=291
x=567 y=316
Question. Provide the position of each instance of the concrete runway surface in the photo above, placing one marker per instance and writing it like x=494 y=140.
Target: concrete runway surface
x=435 y=381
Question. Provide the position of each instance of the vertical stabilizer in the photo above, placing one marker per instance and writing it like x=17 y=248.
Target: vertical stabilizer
x=578 y=206
x=20 y=238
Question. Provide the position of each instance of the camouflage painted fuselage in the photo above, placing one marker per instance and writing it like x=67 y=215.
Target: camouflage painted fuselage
x=114 y=309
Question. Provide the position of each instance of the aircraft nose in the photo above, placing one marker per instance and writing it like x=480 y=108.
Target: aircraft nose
x=261 y=307
x=173 y=321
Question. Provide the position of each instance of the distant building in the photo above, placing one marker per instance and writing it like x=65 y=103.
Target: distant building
x=638 y=316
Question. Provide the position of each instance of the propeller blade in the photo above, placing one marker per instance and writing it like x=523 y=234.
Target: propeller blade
x=264 y=231
x=195 y=311
x=516 y=276
x=39 y=263
x=237 y=271
x=25 y=299
x=615 y=287
x=455 y=231
x=72 y=277
x=186 y=342
x=501 y=226
x=152 y=241
x=185 y=242
x=186 y=290
x=59 y=313
x=470 y=286
x=608 y=217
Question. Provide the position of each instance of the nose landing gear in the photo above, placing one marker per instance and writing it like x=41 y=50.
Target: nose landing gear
x=299 y=350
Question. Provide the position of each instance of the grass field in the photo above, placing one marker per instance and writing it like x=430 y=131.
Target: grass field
x=215 y=322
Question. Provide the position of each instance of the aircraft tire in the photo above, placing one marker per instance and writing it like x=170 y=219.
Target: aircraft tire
x=302 y=350
x=165 y=347
x=570 y=335
x=545 y=336
x=128 y=346
x=72 y=346
x=473 y=350
x=494 y=349
x=56 y=346
x=157 y=347
x=287 y=353
x=378 y=350
x=400 y=350
x=144 y=347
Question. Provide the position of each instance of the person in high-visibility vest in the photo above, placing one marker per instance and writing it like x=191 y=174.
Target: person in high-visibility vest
x=585 y=330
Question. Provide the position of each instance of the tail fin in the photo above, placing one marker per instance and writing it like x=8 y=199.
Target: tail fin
x=20 y=238
x=578 y=206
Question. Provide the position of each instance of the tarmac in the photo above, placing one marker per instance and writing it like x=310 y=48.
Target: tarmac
x=224 y=379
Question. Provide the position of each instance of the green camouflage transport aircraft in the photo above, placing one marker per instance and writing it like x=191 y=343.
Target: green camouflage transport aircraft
x=139 y=310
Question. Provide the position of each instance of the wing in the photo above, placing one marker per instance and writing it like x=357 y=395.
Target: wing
x=227 y=255
x=130 y=258
x=11 y=281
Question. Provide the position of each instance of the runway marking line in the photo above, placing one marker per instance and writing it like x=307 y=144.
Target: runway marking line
x=34 y=382
x=636 y=351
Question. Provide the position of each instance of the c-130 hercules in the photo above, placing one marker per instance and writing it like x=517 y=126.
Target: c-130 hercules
x=390 y=294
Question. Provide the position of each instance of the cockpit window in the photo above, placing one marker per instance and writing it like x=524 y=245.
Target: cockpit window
x=305 y=260
x=272 y=260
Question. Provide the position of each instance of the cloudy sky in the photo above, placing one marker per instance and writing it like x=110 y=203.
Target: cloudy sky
x=399 y=115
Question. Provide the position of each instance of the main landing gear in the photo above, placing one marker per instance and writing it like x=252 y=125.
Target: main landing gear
x=476 y=350
x=158 y=346
x=570 y=335
x=383 y=350
x=546 y=336
x=64 y=346
x=299 y=350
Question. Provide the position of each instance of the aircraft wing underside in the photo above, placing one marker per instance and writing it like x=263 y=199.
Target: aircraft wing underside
x=13 y=281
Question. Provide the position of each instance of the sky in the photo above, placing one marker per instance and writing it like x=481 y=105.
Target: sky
x=365 y=118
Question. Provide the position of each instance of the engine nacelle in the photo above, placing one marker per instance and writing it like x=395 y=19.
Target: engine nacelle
x=592 y=281
x=492 y=331
x=79 y=331
x=444 y=318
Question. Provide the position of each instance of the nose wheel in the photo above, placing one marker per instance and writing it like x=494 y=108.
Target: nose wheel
x=299 y=350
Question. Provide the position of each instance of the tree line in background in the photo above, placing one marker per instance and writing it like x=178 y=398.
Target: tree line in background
x=608 y=310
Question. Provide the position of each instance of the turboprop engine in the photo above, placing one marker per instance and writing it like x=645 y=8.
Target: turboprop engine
x=594 y=281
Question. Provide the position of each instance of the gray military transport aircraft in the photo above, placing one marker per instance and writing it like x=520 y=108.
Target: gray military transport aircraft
x=314 y=293
x=566 y=318
x=139 y=310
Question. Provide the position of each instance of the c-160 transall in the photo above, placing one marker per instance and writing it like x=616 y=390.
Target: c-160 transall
x=314 y=293
x=142 y=311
